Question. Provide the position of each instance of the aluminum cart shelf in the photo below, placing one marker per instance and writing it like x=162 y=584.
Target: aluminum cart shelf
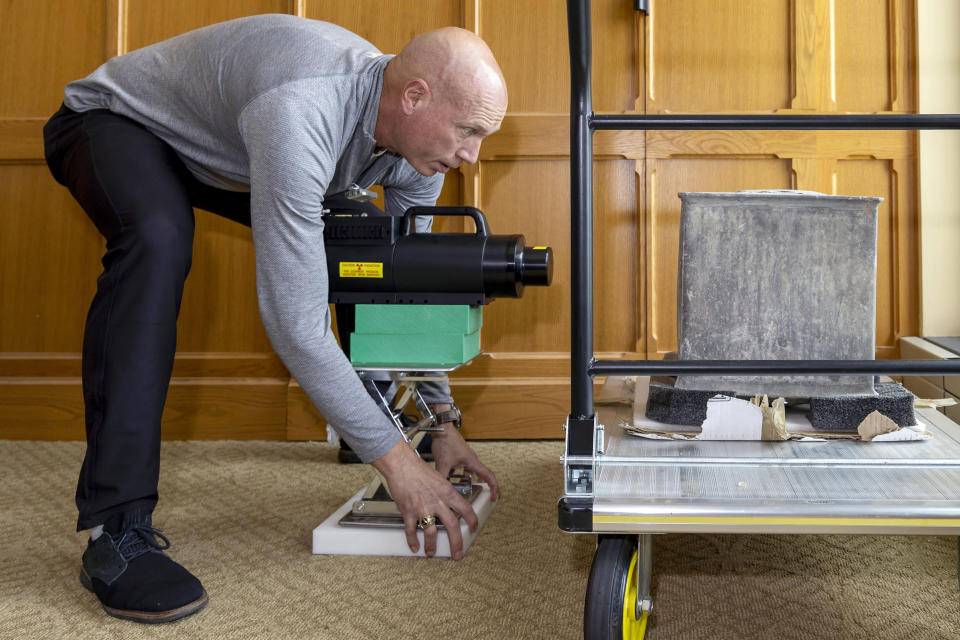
x=834 y=486
x=625 y=488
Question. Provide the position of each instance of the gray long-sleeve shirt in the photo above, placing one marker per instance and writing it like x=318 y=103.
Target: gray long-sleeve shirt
x=285 y=107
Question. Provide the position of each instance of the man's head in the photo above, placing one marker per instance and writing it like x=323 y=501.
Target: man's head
x=442 y=94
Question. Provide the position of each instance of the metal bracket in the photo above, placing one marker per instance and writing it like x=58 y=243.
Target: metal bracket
x=644 y=573
x=641 y=5
x=359 y=194
x=580 y=470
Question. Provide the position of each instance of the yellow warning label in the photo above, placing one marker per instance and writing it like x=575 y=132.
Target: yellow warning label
x=361 y=269
x=539 y=247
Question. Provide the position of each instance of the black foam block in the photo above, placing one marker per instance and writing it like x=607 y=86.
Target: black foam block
x=845 y=413
x=668 y=404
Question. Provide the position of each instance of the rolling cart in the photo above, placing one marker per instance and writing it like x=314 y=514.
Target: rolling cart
x=624 y=489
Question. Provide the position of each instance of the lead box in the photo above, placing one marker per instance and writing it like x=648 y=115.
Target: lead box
x=777 y=275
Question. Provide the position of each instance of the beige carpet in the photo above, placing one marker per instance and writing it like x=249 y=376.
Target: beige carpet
x=240 y=516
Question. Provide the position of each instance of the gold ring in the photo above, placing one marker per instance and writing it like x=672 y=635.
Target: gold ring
x=426 y=522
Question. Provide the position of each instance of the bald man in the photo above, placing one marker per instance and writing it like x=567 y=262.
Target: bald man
x=260 y=120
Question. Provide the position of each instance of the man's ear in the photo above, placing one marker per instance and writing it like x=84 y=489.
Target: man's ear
x=416 y=95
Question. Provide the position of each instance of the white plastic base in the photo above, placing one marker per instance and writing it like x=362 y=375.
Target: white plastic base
x=332 y=539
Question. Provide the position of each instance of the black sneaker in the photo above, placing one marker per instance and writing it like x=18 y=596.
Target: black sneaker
x=133 y=578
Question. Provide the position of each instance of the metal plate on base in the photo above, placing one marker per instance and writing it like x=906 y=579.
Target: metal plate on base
x=393 y=519
x=400 y=367
x=331 y=538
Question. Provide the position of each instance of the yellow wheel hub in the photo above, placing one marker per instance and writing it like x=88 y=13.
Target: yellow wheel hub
x=633 y=629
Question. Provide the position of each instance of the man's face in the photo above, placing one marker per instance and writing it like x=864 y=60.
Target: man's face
x=443 y=134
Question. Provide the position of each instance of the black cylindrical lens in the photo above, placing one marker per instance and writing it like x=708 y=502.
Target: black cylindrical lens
x=536 y=266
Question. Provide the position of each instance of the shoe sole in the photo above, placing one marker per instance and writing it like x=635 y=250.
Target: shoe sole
x=148 y=617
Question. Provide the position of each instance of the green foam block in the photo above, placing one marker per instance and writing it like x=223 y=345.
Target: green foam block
x=422 y=350
x=409 y=319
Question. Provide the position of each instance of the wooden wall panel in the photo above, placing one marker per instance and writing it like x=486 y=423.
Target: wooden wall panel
x=219 y=310
x=399 y=20
x=147 y=21
x=718 y=57
x=529 y=39
x=532 y=52
x=44 y=46
x=618 y=303
x=617 y=63
x=50 y=408
x=686 y=56
x=49 y=262
x=530 y=197
x=863 y=72
x=880 y=178
x=875 y=56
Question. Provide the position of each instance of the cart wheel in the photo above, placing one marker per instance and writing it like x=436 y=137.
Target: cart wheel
x=609 y=610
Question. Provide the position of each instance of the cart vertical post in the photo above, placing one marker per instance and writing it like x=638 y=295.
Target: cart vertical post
x=580 y=422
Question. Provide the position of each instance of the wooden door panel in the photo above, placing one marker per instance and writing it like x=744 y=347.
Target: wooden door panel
x=863 y=53
x=718 y=56
x=529 y=39
x=876 y=178
x=49 y=262
x=219 y=310
x=532 y=52
x=44 y=46
x=149 y=21
x=530 y=197
x=616 y=278
x=387 y=24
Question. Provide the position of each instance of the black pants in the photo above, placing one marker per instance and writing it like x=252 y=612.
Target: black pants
x=140 y=196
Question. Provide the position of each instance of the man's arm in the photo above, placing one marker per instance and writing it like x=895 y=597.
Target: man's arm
x=293 y=148
x=291 y=163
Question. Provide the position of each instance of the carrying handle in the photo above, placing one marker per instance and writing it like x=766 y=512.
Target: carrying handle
x=478 y=218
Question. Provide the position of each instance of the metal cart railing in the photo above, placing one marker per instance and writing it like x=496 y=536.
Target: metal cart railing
x=624 y=488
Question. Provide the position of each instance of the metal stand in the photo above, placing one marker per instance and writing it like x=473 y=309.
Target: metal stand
x=404 y=388
x=366 y=524
x=376 y=507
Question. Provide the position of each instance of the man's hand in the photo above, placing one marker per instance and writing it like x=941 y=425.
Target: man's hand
x=450 y=450
x=418 y=490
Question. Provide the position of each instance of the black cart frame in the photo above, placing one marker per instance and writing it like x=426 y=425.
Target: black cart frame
x=581 y=439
